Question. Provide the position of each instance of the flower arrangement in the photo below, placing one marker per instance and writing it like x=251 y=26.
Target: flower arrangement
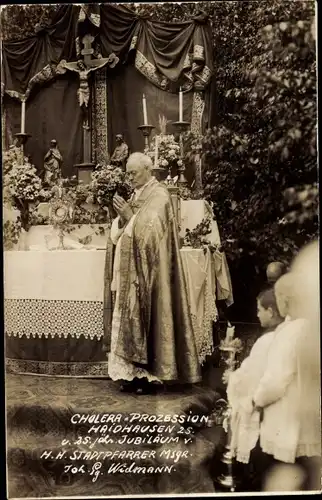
x=11 y=226
x=108 y=180
x=21 y=183
x=168 y=152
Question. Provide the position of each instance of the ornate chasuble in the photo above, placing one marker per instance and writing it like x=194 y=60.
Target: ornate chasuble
x=155 y=325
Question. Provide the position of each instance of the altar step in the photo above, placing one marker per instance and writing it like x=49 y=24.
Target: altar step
x=38 y=420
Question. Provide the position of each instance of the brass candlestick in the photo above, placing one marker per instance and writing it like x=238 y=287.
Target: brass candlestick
x=229 y=348
x=146 y=131
x=181 y=127
x=22 y=138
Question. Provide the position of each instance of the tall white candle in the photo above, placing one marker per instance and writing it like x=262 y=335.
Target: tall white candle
x=156 y=151
x=23 y=116
x=145 y=113
x=230 y=332
x=180 y=106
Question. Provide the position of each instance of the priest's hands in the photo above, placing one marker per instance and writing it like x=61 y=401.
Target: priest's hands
x=122 y=208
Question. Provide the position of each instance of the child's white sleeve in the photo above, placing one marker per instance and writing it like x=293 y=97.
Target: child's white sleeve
x=280 y=370
x=238 y=384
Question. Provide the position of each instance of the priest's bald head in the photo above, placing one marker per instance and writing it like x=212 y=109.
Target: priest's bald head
x=139 y=169
x=274 y=271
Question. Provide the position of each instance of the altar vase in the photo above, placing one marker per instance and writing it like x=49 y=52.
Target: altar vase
x=148 y=330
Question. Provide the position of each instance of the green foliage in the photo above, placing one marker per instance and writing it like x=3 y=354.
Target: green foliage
x=20 y=21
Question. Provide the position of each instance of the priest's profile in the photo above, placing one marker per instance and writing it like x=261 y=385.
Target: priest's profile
x=148 y=330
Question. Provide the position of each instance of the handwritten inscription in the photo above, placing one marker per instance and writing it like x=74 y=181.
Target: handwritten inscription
x=117 y=443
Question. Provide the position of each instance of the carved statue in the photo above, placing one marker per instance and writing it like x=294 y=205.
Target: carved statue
x=121 y=152
x=52 y=164
x=83 y=69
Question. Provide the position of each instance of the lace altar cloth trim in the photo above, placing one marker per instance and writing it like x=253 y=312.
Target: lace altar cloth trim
x=53 y=318
x=199 y=272
x=53 y=368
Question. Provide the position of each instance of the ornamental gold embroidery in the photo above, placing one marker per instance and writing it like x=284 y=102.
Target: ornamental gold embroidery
x=187 y=62
x=149 y=70
x=198 y=106
x=96 y=19
x=99 y=117
x=16 y=95
x=205 y=75
x=199 y=53
x=134 y=42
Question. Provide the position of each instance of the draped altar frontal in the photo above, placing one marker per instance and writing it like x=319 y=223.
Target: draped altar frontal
x=155 y=58
x=54 y=303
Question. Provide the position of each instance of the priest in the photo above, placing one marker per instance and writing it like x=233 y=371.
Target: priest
x=148 y=330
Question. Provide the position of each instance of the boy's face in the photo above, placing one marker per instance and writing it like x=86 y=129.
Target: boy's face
x=265 y=316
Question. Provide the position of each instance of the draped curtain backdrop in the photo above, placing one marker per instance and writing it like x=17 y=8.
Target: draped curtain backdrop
x=156 y=59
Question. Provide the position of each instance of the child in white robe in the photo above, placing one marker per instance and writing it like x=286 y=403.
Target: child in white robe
x=288 y=391
x=245 y=422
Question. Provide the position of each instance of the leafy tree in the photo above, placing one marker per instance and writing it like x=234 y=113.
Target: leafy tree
x=20 y=21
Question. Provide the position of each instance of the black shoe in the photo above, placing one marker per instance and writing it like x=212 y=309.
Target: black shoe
x=128 y=387
x=144 y=387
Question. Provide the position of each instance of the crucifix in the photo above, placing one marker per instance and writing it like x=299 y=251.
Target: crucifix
x=84 y=67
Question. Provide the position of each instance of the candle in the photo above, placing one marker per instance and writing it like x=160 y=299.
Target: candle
x=180 y=106
x=230 y=332
x=156 y=152
x=145 y=114
x=23 y=116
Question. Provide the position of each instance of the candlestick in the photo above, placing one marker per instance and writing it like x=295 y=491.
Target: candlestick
x=180 y=106
x=146 y=131
x=181 y=127
x=23 y=116
x=145 y=113
x=229 y=349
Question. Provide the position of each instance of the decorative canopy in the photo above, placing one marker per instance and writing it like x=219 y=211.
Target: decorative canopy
x=169 y=55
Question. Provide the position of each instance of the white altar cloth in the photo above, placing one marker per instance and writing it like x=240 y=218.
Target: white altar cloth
x=55 y=275
x=59 y=293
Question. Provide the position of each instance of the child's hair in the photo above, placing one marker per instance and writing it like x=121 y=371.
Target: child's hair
x=267 y=299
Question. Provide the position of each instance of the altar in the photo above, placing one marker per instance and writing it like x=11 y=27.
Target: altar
x=54 y=300
x=64 y=195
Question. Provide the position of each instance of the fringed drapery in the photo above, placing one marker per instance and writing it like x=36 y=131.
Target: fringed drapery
x=168 y=55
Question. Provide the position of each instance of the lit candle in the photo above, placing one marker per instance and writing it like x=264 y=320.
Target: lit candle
x=230 y=332
x=145 y=114
x=156 y=152
x=180 y=106
x=23 y=116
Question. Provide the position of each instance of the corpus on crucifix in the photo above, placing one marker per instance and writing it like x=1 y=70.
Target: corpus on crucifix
x=84 y=67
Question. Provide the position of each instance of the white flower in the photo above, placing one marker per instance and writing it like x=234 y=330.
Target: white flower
x=164 y=163
x=283 y=26
x=179 y=163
